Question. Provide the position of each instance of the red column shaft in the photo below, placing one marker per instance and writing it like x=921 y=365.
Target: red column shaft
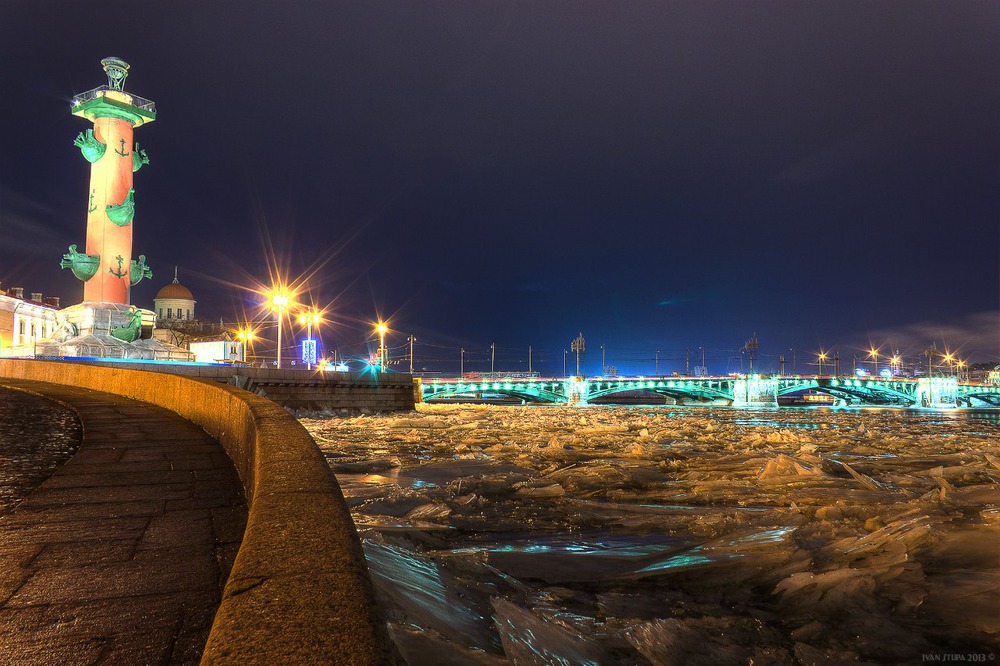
x=110 y=181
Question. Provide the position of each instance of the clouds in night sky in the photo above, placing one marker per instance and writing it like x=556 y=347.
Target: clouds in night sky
x=819 y=173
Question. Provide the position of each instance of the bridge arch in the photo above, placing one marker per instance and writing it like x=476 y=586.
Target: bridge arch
x=542 y=392
x=867 y=391
x=680 y=390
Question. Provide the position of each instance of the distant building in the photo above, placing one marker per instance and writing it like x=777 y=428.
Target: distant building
x=25 y=320
x=221 y=350
x=177 y=324
x=174 y=302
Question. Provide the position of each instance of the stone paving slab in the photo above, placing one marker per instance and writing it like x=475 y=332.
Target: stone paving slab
x=120 y=556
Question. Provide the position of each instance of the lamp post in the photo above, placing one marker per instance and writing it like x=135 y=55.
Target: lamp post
x=564 y=362
x=246 y=336
x=309 y=318
x=461 y=362
x=822 y=359
x=949 y=358
x=493 y=355
x=578 y=345
x=279 y=304
x=874 y=354
x=412 y=339
x=381 y=328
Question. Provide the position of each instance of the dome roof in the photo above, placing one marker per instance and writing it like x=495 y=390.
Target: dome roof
x=175 y=290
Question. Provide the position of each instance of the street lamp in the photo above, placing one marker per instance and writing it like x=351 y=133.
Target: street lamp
x=278 y=303
x=949 y=358
x=822 y=359
x=246 y=336
x=309 y=318
x=874 y=354
x=381 y=329
x=894 y=363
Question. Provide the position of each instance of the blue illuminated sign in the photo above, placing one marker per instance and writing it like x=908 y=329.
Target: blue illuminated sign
x=309 y=351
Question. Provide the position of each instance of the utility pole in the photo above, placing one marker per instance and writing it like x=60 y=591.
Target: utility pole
x=529 y=358
x=751 y=348
x=493 y=354
x=412 y=340
x=461 y=363
x=578 y=345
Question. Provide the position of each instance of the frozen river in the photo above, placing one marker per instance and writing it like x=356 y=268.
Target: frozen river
x=667 y=535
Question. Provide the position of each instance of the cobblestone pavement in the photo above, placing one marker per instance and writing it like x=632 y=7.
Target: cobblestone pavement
x=120 y=556
x=36 y=436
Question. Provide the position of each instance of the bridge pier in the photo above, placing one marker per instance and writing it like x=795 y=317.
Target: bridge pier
x=577 y=391
x=755 y=391
x=937 y=392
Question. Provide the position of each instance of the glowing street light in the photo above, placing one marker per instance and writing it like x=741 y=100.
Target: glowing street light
x=381 y=329
x=246 y=336
x=278 y=302
x=310 y=318
x=874 y=354
x=894 y=364
x=949 y=358
x=822 y=356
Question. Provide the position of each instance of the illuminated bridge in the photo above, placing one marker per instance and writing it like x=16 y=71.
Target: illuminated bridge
x=738 y=391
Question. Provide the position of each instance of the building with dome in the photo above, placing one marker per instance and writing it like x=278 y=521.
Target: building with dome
x=177 y=324
x=174 y=302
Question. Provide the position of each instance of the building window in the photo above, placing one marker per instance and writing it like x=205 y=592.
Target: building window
x=189 y=314
x=161 y=313
x=170 y=313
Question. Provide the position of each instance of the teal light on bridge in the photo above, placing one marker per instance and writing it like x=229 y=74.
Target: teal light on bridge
x=738 y=390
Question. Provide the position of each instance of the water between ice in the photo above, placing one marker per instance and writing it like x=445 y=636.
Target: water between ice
x=628 y=535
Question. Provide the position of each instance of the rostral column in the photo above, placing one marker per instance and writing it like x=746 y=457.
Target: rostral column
x=107 y=268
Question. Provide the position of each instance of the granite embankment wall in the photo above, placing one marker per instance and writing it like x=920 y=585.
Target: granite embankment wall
x=298 y=388
x=299 y=591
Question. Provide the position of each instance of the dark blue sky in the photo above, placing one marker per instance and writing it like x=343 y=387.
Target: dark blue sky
x=659 y=175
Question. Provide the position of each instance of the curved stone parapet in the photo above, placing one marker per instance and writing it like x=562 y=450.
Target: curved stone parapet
x=299 y=591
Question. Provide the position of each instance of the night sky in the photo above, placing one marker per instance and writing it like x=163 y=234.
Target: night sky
x=657 y=175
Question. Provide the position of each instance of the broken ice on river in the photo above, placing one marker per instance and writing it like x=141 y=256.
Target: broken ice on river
x=665 y=535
